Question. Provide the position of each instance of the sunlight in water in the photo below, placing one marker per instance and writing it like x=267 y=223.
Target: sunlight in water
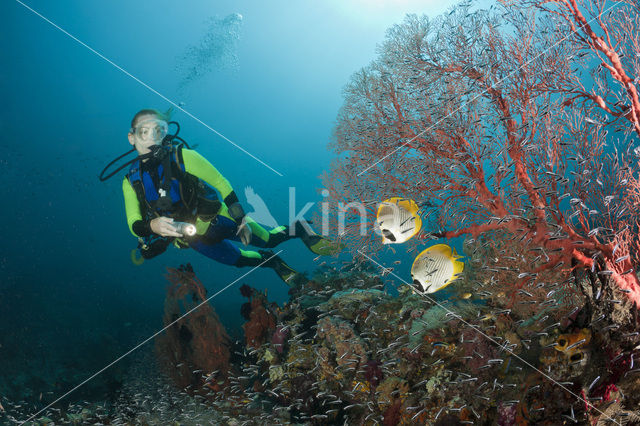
x=387 y=12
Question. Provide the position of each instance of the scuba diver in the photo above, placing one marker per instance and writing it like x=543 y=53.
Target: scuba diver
x=171 y=196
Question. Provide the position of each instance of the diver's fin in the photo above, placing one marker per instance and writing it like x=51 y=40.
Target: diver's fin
x=317 y=243
x=284 y=271
x=323 y=246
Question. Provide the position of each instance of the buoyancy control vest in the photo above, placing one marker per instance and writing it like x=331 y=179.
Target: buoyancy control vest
x=164 y=188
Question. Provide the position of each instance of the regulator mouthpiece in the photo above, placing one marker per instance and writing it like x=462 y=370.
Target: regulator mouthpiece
x=184 y=228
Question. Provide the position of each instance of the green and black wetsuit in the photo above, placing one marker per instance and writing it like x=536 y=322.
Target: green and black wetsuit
x=193 y=190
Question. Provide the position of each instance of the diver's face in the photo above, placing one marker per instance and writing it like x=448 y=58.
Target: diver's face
x=149 y=131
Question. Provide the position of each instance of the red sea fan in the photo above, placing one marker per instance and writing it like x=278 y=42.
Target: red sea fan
x=260 y=323
x=197 y=341
x=246 y=291
x=494 y=153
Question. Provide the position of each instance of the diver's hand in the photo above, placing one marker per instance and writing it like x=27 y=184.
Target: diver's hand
x=244 y=231
x=163 y=227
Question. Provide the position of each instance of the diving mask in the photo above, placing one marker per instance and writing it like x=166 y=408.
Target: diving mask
x=151 y=130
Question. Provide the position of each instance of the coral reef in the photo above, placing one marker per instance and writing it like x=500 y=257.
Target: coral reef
x=194 y=349
x=341 y=340
x=348 y=355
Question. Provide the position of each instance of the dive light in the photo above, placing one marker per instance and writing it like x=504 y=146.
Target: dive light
x=185 y=228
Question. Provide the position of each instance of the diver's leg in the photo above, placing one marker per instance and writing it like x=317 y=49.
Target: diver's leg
x=221 y=228
x=284 y=271
x=224 y=227
x=223 y=251
x=227 y=253
x=260 y=237
x=268 y=259
x=269 y=239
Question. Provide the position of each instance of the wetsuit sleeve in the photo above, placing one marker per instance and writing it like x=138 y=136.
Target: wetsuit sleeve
x=198 y=166
x=137 y=226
